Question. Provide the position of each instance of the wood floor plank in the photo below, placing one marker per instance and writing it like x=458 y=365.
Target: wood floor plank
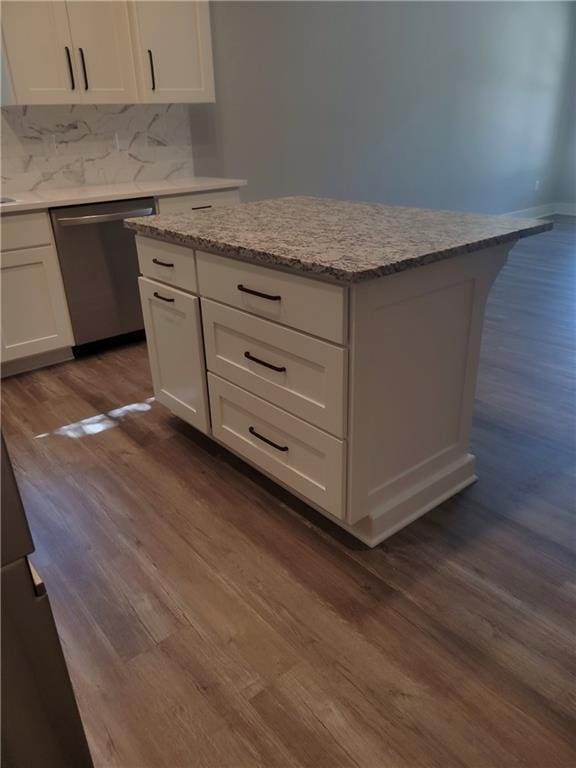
x=211 y=620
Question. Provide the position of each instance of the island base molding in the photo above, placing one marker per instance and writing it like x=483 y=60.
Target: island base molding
x=400 y=511
x=403 y=510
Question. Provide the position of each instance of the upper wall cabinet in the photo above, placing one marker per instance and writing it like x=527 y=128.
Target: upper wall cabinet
x=102 y=44
x=69 y=52
x=39 y=52
x=107 y=51
x=173 y=48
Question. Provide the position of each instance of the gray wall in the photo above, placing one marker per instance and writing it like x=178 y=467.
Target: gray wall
x=565 y=156
x=446 y=105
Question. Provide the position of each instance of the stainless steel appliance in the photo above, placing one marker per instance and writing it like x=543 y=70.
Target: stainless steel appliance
x=100 y=267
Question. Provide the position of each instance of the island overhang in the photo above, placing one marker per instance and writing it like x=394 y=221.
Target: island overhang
x=335 y=240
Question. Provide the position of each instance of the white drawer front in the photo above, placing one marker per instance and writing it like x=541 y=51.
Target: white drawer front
x=252 y=352
x=301 y=456
x=173 y=264
x=25 y=230
x=197 y=202
x=300 y=302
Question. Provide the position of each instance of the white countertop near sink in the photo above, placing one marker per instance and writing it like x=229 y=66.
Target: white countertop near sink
x=57 y=198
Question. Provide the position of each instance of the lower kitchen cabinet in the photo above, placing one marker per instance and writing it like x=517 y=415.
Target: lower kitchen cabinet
x=174 y=336
x=35 y=317
x=357 y=398
x=300 y=456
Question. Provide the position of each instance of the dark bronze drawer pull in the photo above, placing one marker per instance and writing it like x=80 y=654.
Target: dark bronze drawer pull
x=162 y=263
x=200 y=207
x=265 y=440
x=70 y=70
x=152 y=72
x=258 y=293
x=279 y=368
x=84 y=71
x=162 y=297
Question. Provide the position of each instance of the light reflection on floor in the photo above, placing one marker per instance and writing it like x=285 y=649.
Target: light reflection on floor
x=93 y=425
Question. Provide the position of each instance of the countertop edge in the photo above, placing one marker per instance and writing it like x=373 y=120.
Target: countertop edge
x=144 y=189
x=330 y=273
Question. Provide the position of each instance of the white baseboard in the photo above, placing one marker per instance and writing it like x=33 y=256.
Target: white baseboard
x=541 y=211
x=566 y=209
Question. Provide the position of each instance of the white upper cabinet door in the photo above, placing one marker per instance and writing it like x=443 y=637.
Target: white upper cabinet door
x=103 y=48
x=38 y=46
x=174 y=51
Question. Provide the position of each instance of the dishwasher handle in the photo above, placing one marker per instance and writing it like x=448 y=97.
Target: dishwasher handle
x=103 y=218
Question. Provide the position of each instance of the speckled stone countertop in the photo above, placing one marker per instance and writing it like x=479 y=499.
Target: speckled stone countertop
x=333 y=239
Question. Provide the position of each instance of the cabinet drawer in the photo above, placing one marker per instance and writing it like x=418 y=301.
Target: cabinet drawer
x=174 y=338
x=302 y=457
x=296 y=372
x=197 y=202
x=173 y=264
x=25 y=230
x=302 y=303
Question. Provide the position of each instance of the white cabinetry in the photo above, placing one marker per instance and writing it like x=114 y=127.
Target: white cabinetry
x=103 y=49
x=357 y=398
x=90 y=51
x=173 y=49
x=35 y=316
x=174 y=335
x=39 y=52
x=302 y=457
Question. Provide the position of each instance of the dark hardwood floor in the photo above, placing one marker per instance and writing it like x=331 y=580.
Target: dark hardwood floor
x=212 y=621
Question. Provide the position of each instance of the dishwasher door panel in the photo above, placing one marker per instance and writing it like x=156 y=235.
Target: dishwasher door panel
x=99 y=267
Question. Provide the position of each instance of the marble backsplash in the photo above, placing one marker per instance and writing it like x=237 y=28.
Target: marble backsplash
x=74 y=145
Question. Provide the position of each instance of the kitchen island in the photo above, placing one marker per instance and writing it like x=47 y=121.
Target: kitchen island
x=332 y=345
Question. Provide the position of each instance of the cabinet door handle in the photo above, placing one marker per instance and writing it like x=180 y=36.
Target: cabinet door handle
x=200 y=207
x=265 y=440
x=152 y=73
x=70 y=70
x=162 y=263
x=251 y=291
x=162 y=297
x=84 y=71
x=279 y=368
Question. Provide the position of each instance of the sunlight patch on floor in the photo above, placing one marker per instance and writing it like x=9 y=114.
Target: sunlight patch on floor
x=93 y=425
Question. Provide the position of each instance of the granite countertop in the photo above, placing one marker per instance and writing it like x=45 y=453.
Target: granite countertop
x=97 y=193
x=335 y=240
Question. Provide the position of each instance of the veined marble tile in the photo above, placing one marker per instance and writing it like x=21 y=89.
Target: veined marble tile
x=57 y=146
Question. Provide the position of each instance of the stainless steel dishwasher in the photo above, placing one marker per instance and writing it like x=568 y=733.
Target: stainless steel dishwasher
x=99 y=267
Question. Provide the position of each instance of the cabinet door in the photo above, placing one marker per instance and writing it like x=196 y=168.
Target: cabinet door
x=174 y=336
x=34 y=311
x=39 y=50
x=103 y=48
x=174 y=51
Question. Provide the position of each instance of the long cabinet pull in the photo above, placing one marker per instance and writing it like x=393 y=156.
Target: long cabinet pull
x=279 y=368
x=158 y=296
x=70 y=70
x=265 y=440
x=84 y=71
x=152 y=72
x=261 y=295
x=162 y=263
